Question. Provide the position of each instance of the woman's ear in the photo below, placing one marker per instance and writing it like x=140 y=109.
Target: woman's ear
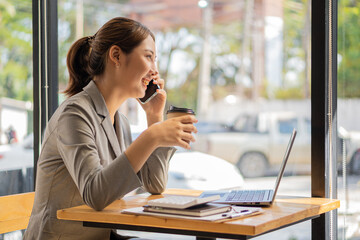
x=115 y=54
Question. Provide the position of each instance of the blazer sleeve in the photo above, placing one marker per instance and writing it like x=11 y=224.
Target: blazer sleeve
x=154 y=173
x=78 y=149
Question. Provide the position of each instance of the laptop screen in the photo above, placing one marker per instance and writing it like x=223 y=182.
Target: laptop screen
x=283 y=164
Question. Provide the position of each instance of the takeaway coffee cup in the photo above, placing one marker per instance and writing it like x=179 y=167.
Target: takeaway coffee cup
x=177 y=112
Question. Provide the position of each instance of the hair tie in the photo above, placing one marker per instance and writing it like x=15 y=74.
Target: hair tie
x=89 y=41
x=90 y=38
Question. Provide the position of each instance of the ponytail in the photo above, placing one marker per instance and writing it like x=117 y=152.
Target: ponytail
x=78 y=66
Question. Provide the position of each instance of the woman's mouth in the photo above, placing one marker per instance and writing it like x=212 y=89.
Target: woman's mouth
x=145 y=81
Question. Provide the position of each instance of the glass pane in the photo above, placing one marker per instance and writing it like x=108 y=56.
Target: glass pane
x=16 y=139
x=243 y=66
x=16 y=100
x=348 y=144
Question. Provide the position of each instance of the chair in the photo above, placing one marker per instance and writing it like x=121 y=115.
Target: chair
x=15 y=211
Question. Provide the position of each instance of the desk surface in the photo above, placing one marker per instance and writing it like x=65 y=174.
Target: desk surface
x=285 y=211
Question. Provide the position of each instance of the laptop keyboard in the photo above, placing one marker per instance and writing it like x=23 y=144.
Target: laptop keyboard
x=246 y=196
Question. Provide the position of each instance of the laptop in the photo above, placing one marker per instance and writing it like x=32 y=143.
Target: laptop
x=253 y=197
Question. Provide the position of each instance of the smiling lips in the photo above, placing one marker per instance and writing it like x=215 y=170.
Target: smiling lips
x=146 y=81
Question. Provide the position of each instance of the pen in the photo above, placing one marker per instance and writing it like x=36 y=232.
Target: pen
x=238 y=214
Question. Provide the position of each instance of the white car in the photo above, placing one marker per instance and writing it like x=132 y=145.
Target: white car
x=256 y=143
x=201 y=171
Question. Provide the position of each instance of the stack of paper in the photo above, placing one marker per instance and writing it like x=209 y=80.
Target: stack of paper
x=186 y=207
x=198 y=211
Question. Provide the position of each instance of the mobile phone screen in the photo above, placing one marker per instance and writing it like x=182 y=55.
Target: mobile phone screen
x=150 y=92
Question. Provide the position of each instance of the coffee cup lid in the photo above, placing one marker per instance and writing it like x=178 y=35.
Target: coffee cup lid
x=173 y=109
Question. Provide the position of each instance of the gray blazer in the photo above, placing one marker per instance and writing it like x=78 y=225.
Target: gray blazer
x=82 y=161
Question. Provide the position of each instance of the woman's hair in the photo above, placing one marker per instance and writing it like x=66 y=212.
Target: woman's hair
x=87 y=56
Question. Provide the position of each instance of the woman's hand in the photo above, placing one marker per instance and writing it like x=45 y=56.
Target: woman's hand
x=154 y=109
x=174 y=132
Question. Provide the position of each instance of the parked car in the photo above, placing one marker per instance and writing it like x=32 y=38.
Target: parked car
x=204 y=127
x=256 y=143
x=201 y=171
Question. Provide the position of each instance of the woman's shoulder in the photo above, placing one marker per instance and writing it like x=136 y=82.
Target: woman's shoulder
x=74 y=104
x=81 y=101
x=79 y=105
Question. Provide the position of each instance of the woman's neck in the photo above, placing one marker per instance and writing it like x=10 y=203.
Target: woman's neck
x=112 y=95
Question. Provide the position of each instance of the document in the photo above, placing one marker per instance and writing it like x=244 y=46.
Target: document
x=197 y=211
x=236 y=212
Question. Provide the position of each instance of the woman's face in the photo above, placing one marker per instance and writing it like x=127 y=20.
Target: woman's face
x=140 y=68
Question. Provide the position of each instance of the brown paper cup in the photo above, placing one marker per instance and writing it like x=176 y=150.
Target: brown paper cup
x=177 y=112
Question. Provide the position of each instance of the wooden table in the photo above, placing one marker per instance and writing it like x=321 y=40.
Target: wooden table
x=286 y=211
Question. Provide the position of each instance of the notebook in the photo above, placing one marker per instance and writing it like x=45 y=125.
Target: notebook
x=197 y=211
x=181 y=202
x=254 y=197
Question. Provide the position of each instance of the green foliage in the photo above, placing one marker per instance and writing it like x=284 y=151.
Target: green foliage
x=289 y=93
x=296 y=30
x=225 y=48
x=181 y=86
x=16 y=49
x=184 y=96
x=349 y=49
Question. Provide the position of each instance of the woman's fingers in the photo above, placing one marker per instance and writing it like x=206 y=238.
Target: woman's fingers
x=161 y=92
x=188 y=119
x=160 y=82
x=185 y=138
x=188 y=137
x=185 y=145
x=179 y=131
x=189 y=128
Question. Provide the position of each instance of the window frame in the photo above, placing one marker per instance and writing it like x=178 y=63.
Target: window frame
x=323 y=95
x=324 y=112
x=45 y=68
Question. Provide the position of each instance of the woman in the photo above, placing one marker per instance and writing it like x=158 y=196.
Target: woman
x=87 y=155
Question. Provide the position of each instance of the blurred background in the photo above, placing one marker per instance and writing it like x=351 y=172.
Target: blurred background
x=242 y=65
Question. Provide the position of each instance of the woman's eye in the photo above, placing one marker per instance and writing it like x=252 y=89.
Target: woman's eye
x=149 y=56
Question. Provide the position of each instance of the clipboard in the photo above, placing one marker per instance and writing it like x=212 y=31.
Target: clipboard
x=236 y=212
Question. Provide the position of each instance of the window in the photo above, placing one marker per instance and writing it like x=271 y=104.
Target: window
x=16 y=159
x=287 y=126
x=16 y=100
x=259 y=63
x=241 y=64
x=348 y=101
x=246 y=123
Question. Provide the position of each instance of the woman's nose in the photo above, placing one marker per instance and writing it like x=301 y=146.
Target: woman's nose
x=154 y=72
x=154 y=69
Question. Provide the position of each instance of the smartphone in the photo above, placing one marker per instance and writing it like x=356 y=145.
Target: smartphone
x=150 y=92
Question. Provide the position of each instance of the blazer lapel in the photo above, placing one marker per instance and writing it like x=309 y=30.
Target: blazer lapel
x=111 y=135
x=119 y=132
x=101 y=109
